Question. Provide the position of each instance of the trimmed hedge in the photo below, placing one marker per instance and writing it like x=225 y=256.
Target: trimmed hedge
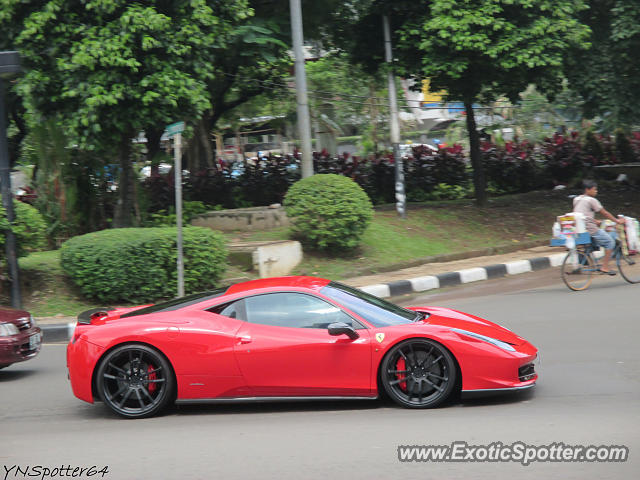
x=328 y=211
x=139 y=264
x=29 y=228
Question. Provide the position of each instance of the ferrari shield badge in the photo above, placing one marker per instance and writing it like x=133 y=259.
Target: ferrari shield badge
x=380 y=337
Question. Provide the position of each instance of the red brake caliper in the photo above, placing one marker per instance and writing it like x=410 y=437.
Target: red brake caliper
x=400 y=366
x=152 y=376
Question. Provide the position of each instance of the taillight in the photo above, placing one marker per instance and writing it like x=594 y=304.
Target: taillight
x=98 y=316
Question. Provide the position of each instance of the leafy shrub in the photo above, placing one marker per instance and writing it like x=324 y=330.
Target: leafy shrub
x=328 y=211
x=624 y=151
x=426 y=169
x=564 y=158
x=168 y=219
x=29 y=228
x=512 y=168
x=443 y=191
x=139 y=264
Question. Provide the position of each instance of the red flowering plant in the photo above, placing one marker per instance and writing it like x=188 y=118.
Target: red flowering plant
x=426 y=169
x=564 y=158
x=512 y=168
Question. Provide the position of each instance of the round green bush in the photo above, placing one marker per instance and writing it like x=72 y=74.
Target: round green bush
x=328 y=211
x=29 y=228
x=139 y=264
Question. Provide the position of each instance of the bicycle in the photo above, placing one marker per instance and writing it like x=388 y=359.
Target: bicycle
x=580 y=264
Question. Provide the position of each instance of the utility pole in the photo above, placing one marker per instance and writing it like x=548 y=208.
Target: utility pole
x=9 y=66
x=304 y=124
x=401 y=199
x=175 y=130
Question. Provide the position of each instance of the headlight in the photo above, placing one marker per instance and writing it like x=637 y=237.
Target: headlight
x=32 y=321
x=8 y=329
x=492 y=341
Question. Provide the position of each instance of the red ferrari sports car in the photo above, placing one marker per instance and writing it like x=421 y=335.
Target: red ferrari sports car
x=288 y=338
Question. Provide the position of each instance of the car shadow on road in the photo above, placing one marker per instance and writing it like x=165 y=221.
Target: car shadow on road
x=14 y=375
x=339 y=405
x=491 y=398
x=276 y=407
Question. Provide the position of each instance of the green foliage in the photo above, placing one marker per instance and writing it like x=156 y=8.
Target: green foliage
x=607 y=75
x=480 y=49
x=28 y=227
x=189 y=210
x=115 y=67
x=139 y=264
x=443 y=191
x=328 y=211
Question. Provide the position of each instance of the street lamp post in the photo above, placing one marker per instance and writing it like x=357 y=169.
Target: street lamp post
x=304 y=124
x=9 y=66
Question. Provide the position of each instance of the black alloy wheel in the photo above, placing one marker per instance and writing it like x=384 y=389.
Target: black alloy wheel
x=135 y=381
x=418 y=373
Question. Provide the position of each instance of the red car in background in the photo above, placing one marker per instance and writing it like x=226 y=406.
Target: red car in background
x=294 y=338
x=20 y=337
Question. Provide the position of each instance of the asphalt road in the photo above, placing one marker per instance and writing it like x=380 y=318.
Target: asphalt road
x=588 y=393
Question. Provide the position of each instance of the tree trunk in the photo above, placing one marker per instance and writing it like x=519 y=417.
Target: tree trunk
x=123 y=212
x=153 y=148
x=199 y=151
x=479 y=182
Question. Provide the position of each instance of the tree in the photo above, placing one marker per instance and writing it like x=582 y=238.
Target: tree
x=607 y=75
x=477 y=50
x=112 y=68
x=253 y=62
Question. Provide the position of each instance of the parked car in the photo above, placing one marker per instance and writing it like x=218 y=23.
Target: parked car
x=20 y=337
x=297 y=338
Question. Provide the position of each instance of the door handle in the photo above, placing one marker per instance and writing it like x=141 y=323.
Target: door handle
x=244 y=339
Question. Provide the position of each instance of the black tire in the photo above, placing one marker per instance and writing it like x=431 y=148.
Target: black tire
x=418 y=373
x=577 y=270
x=135 y=381
x=629 y=267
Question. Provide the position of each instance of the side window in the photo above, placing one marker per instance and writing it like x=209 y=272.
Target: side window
x=232 y=310
x=295 y=310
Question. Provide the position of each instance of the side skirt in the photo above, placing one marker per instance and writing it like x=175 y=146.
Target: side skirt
x=192 y=401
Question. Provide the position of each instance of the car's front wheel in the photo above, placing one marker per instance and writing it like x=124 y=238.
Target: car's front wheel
x=418 y=373
x=135 y=381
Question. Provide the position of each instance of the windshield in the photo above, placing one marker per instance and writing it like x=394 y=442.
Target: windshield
x=177 y=303
x=376 y=311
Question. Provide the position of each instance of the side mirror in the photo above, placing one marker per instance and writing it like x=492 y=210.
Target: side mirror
x=340 y=328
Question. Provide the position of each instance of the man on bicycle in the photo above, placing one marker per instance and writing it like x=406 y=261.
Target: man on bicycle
x=589 y=206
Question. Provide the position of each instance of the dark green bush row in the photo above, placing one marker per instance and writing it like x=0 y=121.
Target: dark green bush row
x=328 y=211
x=139 y=264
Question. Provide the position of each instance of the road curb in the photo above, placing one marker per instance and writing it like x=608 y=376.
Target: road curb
x=57 y=332
x=459 y=277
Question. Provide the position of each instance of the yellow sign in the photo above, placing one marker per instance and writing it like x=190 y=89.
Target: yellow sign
x=380 y=337
x=431 y=97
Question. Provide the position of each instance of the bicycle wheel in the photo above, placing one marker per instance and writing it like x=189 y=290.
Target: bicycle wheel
x=629 y=267
x=577 y=269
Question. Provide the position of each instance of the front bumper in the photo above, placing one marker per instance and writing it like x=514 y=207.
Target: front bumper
x=501 y=371
x=18 y=348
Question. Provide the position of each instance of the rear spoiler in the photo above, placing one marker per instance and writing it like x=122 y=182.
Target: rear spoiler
x=85 y=317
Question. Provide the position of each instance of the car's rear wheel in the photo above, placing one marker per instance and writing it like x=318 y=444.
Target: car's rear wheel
x=135 y=381
x=418 y=373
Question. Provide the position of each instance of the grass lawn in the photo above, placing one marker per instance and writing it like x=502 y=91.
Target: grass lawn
x=46 y=290
x=429 y=229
